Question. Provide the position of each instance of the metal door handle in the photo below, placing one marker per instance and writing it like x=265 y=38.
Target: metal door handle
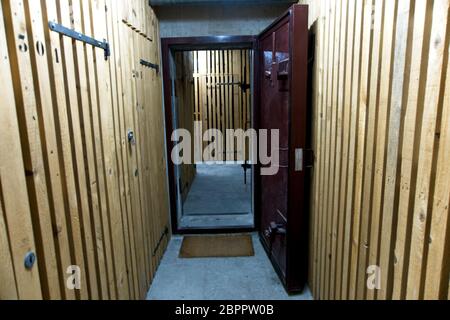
x=275 y=229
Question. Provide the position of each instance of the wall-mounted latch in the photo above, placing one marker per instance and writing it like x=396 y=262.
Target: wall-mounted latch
x=163 y=235
x=244 y=86
x=80 y=37
x=275 y=229
x=30 y=259
x=150 y=65
x=131 y=137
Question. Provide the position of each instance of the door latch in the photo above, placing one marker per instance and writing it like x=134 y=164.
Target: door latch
x=298 y=160
x=275 y=229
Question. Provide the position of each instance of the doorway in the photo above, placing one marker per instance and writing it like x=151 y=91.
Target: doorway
x=209 y=91
x=280 y=183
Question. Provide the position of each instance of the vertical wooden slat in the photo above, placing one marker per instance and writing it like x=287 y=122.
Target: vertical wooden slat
x=248 y=69
x=214 y=94
x=324 y=109
x=88 y=145
x=139 y=149
x=117 y=284
x=411 y=133
x=339 y=158
x=101 y=223
x=154 y=159
x=222 y=95
x=438 y=247
x=67 y=162
x=318 y=162
x=355 y=214
x=361 y=221
x=228 y=104
x=385 y=84
x=141 y=111
x=236 y=105
x=15 y=220
x=130 y=75
x=208 y=99
x=334 y=153
x=44 y=236
x=216 y=91
x=431 y=116
x=8 y=289
x=345 y=151
x=129 y=155
x=399 y=91
x=160 y=162
x=370 y=142
x=116 y=95
x=33 y=154
x=330 y=111
x=78 y=158
x=231 y=156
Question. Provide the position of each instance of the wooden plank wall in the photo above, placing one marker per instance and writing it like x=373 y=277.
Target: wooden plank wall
x=219 y=101
x=184 y=101
x=72 y=189
x=382 y=143
x=207 y=90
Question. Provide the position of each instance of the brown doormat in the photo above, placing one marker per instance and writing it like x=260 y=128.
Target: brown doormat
x=217 y=246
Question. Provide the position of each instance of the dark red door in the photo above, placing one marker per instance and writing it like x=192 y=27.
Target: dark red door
x=283 y=68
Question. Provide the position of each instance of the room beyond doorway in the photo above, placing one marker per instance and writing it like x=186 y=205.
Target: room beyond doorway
x=220 y=195
x=209 y=86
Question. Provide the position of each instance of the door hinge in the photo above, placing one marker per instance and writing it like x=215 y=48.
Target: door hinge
x=309 y=158
x=81 y=37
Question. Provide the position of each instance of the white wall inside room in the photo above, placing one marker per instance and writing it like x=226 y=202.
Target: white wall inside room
x=212 y=20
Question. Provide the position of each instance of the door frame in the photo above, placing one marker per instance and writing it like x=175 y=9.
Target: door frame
x=169 y=46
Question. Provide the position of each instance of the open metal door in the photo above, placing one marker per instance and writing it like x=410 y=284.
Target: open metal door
x=282 y=103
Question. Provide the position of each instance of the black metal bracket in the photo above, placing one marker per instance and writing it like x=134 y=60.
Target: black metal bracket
x=164 y=234
x=244 y=86
x=150 y=65
x=81 y=37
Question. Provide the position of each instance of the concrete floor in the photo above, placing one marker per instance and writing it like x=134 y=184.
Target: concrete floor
x=219 y=198
x=250 y=278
